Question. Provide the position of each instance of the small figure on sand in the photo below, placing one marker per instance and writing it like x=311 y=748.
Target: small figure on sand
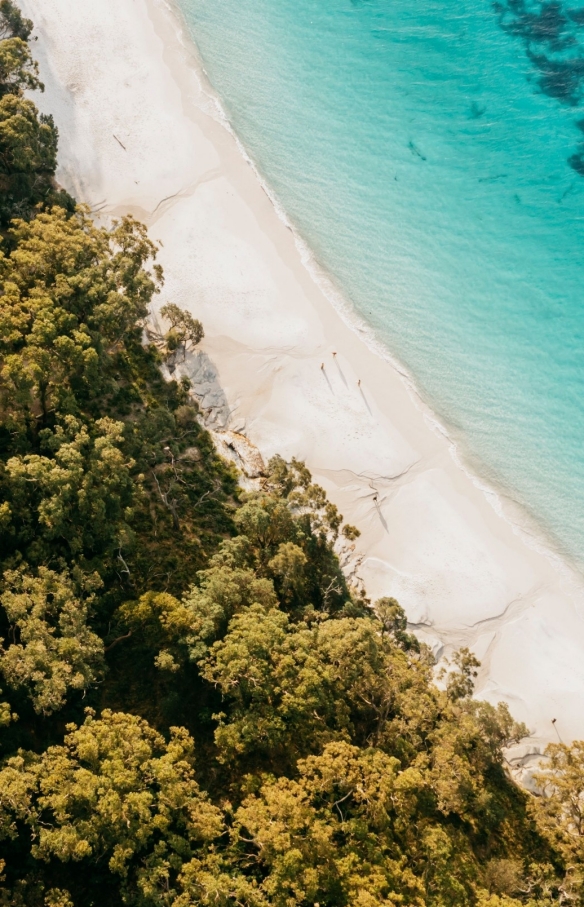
x=334 y=354
x=359 y=383
x=322 y=366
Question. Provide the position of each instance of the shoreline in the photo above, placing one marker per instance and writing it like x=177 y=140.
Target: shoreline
x=464 y=573
x=522 y=521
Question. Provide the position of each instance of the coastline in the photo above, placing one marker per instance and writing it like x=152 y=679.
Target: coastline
x=516 y=514
x=130 y=102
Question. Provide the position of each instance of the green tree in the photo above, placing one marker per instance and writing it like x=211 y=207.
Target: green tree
x=18 y=71
x=114 y=797
x=75 y=501
x=347 y=831
x=288 y=689
x=28 y=146
x=184 y=330
x=12 y=22
x=188 y=627
x=50 y=649
x=72 y=294
x=28 y=141
x=559 y=811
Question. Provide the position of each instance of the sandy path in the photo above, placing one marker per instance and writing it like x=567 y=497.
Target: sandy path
x=140 y=133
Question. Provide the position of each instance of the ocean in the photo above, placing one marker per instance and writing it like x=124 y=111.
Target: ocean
x=431 y=154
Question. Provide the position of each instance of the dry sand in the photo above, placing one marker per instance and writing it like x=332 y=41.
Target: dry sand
x=141 y=133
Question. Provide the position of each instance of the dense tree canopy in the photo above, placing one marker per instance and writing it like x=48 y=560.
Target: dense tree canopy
x=196 y=709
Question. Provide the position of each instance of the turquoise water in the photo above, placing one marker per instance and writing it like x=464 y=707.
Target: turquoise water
x=432 y=155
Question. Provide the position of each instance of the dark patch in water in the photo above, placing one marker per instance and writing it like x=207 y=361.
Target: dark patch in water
x=415 y=150
x=558 y=79
x=546 y=26
x=576 y=162
x=577 y=16
x=476 y=111
x=553 y=38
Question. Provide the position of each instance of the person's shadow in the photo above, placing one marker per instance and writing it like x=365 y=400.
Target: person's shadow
x=365 y=401
x=379 y=513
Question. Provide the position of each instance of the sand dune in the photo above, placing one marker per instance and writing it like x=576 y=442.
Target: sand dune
x=141 y=133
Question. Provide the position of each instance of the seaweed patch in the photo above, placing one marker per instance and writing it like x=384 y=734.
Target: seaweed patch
x=553 y=37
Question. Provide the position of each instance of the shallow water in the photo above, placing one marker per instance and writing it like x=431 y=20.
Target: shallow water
x=432 y=155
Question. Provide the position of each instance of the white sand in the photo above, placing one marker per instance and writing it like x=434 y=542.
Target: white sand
x=118 y=74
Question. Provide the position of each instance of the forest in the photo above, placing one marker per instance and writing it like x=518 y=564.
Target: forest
x=196 y=709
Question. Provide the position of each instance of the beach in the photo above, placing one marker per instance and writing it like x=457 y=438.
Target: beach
x=285 y=363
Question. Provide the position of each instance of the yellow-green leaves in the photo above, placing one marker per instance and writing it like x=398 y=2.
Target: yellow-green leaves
x=288 y=566
x=50 y=650
x=184 y=629
x=95 y=274
x=18 y=70
x=329 y=836
x=71 y=293
x=290 y=688
x=28 y=141
x=184 y=331
x=115 y=792
x=560 y=809
x=76 y=499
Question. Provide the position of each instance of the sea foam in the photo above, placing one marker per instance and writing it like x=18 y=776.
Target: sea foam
x=426 y=165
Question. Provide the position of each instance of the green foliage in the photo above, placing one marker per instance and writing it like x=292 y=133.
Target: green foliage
x=28 y=141
x=393 y=620
x=116 y=796
x=138 y=579
x=12 y=22
x=28 y=146
x=74 y=501
x=291 y=688
x=559 y=811
x=53 y=650
x=18 y=70
x=329 y=836
x=72 y=293
x=184 y=330
x=460 y=680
